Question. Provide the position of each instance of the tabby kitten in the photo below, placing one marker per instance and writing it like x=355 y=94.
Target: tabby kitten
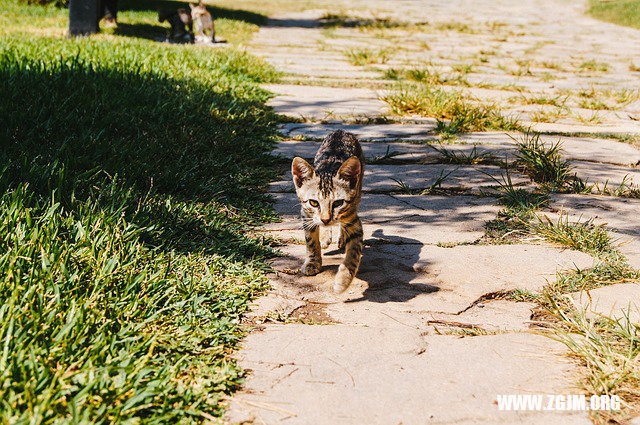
x=329 y=193
x=203 y=21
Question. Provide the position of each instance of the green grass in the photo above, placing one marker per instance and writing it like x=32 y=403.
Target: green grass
x=360 y=57
x=462 y=115
x=130 y=174
x=585 y=236
x=544 y=164
x=427 y=74
x=621 y=12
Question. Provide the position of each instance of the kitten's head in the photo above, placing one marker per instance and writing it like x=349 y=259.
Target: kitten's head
x=198 y=10
x=327 y=197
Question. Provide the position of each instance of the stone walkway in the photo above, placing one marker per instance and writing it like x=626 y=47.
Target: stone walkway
x=420 y=336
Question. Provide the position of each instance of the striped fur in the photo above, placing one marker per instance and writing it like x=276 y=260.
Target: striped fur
x=329 y=194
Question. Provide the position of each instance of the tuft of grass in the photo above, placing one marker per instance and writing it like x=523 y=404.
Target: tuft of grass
x=460 y=27
x=550 y=114
x=428 y=75
x=540 y=100
x=609 y=351
x=385 y=158
x=448 y=156
x=544 y=164
x=426 y=100
x=593 y=66
x=343 y=20
x=520 y=205
x=625 y=189
x=584 y=236
x=432 y=188
x=523 y=295
x=462 y=68
x=594 y=118
x=362 y=57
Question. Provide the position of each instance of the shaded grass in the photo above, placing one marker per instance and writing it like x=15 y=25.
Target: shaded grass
x=448 y=156
x=130 y=174
x=344 y=20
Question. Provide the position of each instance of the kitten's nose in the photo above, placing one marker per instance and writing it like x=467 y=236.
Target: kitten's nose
x=326 y=220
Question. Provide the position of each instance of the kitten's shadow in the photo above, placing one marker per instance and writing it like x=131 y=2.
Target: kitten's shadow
x=390 y=268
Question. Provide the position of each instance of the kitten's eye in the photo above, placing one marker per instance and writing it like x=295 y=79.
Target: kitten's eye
x=314 y=203
x=338 y=203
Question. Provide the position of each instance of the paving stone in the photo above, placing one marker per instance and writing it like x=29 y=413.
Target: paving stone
x=387 y=178
x=350 y=374
x=622 y=129
x=325 y=102
x=620 y=214
x=363 y=131
x=426 y=277
x=398 y=152
x=307 y=150
x=497 y=144
x=577 y=148
x=616 y=301
x=629 y=246
x=613 y=175
x=496 y=316
x=403 y=218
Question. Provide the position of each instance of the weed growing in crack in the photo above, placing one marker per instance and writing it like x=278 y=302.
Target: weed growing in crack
x=593 y=66
x=586 y=236
x=362 y=57
x=434 y=187
x=382 y=159
x=550 y=115
x=544 y=164
x=474 y=157
x=427 y=75
x=609 y=351
x=462 y=116
x=607 y=347
x=626 y=189
x=613 y=270
x=557 y=101
x=523 y=295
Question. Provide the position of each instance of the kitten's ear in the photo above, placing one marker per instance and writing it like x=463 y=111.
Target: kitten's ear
x=301 y=171
x=350 y=171
x=191 y=6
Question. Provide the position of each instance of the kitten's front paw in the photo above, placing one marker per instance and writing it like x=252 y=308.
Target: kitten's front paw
x=310 y=268
x=343 y=280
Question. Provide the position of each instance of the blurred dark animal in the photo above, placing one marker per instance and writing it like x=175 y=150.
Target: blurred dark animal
x=109 y=12
x=181 y=24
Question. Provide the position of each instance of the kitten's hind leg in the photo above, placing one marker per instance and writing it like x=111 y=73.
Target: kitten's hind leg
x=313 y=264
x=325 y=237
x=352 y=231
